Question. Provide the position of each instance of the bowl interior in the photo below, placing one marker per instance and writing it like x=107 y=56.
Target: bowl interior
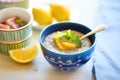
x=64 y=26
x=15 y=11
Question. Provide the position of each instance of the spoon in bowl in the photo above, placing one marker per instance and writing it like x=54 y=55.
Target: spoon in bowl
x=98 y=29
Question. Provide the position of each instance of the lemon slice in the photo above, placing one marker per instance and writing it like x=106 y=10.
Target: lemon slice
x=24 y=55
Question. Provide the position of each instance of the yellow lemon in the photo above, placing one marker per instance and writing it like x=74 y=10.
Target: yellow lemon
x=69 y=45
x=63 y=44
x=24 y=55
x=42 y=15
x=60 y=12
x=59 y=45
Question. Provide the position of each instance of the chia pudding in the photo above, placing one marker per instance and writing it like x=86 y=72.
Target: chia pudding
x=50 y=44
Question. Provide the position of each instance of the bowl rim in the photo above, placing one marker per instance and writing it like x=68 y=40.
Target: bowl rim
x=22 y=9
x=15 y=2
x=59 y=52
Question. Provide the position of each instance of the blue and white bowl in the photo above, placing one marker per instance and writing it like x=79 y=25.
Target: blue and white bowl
x=66 y=62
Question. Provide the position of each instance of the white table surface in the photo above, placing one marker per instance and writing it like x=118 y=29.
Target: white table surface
x=40 y=69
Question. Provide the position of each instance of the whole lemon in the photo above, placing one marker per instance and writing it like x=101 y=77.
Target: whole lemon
x=42 y=16
x=60 y=12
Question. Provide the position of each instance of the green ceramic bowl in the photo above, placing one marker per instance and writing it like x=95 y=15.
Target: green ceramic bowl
x=4 y=48
x=12 y=35
x=13 y=3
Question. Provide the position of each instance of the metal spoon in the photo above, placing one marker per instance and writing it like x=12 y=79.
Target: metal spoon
x=98 y=29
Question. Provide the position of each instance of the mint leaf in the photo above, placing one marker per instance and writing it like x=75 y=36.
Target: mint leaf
x=73 y=37
x=64 y=37
x=18 y=20
x=67 y=33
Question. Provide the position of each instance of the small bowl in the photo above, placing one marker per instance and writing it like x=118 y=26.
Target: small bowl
x=66 y=62
x=14 y=3
x=4 y=48
x=11 y=35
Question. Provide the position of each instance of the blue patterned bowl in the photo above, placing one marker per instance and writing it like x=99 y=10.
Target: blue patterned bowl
x=66 y=62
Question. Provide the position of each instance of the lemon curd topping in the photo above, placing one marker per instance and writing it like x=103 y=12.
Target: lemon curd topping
x=59 y=42
x=67 y=40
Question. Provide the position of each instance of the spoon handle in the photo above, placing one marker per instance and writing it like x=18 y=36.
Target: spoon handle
x=98 y=29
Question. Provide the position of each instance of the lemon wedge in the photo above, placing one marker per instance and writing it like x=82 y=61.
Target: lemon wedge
x=63 y=44
x=24 y=55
